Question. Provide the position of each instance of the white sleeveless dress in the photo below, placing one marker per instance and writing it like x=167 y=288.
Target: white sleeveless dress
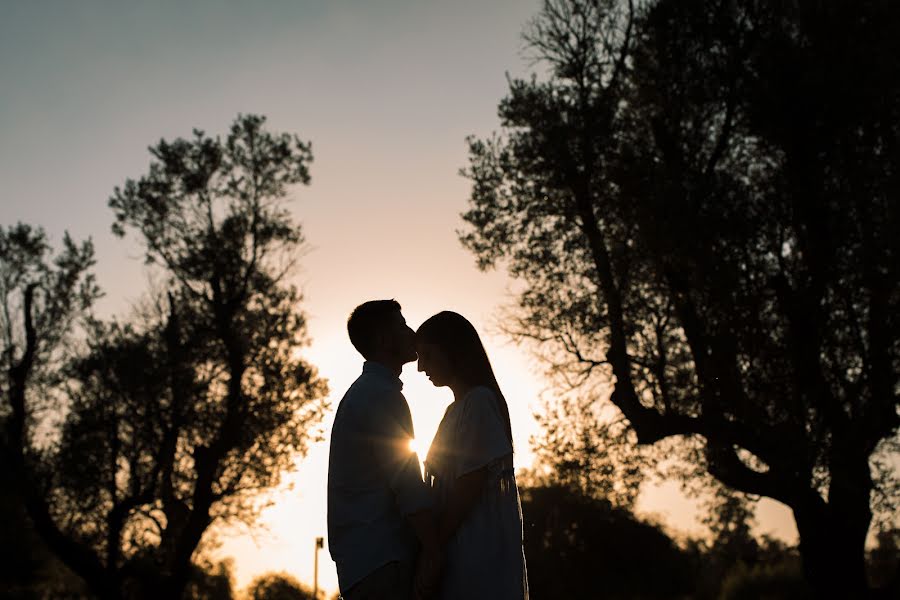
x=484 y=558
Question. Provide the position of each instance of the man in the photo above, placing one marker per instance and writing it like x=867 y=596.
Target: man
x=378 y=504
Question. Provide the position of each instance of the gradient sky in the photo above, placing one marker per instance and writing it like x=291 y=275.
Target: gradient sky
x=386 y=90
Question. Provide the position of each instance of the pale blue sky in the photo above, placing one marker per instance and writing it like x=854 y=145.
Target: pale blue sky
x=385 y=90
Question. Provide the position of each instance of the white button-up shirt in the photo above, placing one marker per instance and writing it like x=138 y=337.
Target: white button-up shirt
x=374 y=479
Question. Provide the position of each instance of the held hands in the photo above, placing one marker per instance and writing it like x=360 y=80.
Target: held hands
x=428 y=573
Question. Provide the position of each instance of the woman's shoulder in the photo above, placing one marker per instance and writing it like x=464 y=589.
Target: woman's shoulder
x=480 y=392
x=481 y=400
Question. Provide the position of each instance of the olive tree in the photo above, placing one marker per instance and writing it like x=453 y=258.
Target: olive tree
x=183 y=414
x=700 y=202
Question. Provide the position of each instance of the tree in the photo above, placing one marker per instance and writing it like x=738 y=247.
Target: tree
x=27 y=569
x=884 y=560
x=278 y=586
x=582 y=547
x=580 y=451
x=774 y=582
x=700 y=202
x=180 y=417
x=731 y=549
x=41 y=299
x=211 y=582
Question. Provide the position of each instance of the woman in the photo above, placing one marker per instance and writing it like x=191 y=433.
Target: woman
x=470 y=468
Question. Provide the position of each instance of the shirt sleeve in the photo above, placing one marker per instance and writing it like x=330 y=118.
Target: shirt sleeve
x=399 y=464
x=482 y=433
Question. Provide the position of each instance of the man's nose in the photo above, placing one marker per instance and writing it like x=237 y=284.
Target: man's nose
x=419 y=366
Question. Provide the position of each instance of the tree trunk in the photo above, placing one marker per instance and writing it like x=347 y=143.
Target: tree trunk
x=832 y=547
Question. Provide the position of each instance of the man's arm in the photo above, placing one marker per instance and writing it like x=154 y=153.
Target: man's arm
x=428 y=565
x=405 y=480
x=415 y=503
x=423 y=523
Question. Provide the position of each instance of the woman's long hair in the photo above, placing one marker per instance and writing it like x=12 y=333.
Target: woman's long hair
x=458 y=340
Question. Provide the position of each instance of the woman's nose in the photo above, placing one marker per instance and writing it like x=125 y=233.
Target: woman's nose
x=419 y=366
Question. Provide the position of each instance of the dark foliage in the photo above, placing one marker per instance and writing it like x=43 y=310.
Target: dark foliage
x=278 y=586
x=582 y=547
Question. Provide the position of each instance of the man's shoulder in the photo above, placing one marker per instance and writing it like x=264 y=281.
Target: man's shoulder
x=368 y=387
x=365 y=395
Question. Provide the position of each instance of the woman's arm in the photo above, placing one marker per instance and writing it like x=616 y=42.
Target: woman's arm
x=463 y=497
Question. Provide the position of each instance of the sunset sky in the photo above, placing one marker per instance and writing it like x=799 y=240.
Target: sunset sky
x=386 y=91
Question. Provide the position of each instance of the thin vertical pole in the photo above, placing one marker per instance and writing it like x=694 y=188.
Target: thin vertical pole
x=319 y=543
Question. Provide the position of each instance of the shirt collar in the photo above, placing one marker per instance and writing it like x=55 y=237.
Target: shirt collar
x=382 y=372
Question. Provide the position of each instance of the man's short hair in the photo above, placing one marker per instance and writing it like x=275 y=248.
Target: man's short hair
x=367 y=321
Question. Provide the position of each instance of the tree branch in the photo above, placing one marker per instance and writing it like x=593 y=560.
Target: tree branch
x=80 y=558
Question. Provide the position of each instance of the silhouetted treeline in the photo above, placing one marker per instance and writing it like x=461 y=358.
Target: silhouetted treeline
x=279 y=586
x=576 y=546
x=581 y=547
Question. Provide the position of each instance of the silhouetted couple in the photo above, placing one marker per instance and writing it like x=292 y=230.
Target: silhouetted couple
x=458 y=533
